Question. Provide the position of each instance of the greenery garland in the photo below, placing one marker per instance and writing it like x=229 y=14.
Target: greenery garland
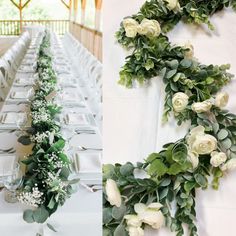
x=46 y=185
x=166 y=193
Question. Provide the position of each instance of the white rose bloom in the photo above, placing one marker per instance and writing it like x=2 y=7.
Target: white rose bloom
x=172 y=4
x=221 y=99
x=218 y=158
x=131 y=27
x=180 y=101
x=200 y=107
x=193 y=158
x=197 y=131
x=201 y=143
x=229 y=165
x=204 y=144
x=150 y=214
x=153 y=218
x=133 y=220
x=190 y=53
x=150 y=28
x=135 y=231
x=113 y=193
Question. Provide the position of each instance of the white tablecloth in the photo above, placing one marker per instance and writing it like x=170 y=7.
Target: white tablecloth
x=81 y=214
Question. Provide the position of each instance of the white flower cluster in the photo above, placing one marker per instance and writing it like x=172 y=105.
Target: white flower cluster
x=38 y=104
x=54 y=181
x=148 y=214
x=45 y=76
x=34 y=198
x=150 y=28
x=46 y=86
x=39 y=137
x=180 y=102
x=40 y=116
x=53 y=159
x=173 y=5
x=200 y=143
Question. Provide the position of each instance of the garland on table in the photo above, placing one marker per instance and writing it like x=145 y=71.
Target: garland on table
x=165 y=195
x=46 y=185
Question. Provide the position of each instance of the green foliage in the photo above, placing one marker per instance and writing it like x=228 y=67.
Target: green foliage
x=47 y=167
x=172 y=178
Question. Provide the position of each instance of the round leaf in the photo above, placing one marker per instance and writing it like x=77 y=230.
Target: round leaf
x=223 y=133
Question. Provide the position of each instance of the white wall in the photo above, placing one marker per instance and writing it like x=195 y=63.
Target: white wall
x=132 y=126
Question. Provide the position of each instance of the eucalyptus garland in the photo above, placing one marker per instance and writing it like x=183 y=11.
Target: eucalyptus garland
x=45 y=185
x=165 y=195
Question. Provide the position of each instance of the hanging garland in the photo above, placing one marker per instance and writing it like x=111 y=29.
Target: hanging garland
x=46 y=185
x=166 y=195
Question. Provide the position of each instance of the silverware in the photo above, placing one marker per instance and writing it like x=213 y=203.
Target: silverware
x=81 y=148
x=85 y=132
x=92 y=188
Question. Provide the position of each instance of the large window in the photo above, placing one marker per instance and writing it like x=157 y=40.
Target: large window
x=90 y=14
x=45 y=10
x=8 y=11
x=78 y=17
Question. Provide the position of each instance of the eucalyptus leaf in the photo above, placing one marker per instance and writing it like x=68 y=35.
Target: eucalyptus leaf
x=223 y=133
x=226 y=143
x=107 y=215
x=118 y=212
x=120 y=231
x=40 y=215
x=25 y=140
x=28 y=216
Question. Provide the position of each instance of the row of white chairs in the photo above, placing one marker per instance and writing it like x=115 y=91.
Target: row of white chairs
x=11 y=61
x=88 y=70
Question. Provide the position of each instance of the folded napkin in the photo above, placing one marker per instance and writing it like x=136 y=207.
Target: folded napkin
x=20 y=95
x=87 y=163
x=76 y=119
x=24 y=80
x=12 y=117
x=70 y=97
x=7 y=163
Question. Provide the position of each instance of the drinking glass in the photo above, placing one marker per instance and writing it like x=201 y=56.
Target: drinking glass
x=12 y=180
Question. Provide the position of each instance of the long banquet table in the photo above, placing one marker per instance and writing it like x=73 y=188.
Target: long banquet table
x=81 y=214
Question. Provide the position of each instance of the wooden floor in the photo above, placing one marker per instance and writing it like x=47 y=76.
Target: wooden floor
x=5 y=43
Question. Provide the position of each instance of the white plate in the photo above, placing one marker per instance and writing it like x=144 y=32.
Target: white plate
x=86 y=140
x=76 y=119
x=7 y=163
x=87 y=162
x=24 y=81
x=13 y=117
x=20 y=95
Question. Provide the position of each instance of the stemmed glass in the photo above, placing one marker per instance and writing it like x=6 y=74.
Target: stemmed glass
x=12 y=180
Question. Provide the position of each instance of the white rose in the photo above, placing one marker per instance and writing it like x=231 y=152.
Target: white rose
x=150 y=28
x=221 y=99
x=150 y=214
x=200 y=107
x=133 y=220
x=113 y=193
x=135 y=231
x=172 y=4
x=218 y=158
x=180 y=101
x=229 y=165
x=193 y=158
x=197 y=131
x=190 y=53
x=204 y=144
x=201 y=143
x=131 y=27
